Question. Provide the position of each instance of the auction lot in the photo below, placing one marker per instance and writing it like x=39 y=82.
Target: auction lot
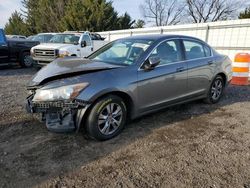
x=191 y=145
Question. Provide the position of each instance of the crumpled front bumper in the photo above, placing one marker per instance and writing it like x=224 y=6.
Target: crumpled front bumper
x=60 y=116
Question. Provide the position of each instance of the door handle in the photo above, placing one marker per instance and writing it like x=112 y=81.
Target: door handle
x=180 y=69
x=210 y=62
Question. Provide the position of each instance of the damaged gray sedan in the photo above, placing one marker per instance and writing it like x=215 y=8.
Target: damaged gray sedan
x=126 y=79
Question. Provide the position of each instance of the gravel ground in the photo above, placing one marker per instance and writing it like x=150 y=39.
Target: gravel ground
x=191 y=145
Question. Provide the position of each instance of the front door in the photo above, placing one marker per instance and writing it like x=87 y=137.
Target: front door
x=4 y=50
x=88 y=49
x=166 y=83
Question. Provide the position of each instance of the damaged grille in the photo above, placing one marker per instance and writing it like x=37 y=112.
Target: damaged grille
x=48 y=105
x=53 y=106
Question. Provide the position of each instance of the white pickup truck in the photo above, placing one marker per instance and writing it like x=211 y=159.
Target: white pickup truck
x=79 y=44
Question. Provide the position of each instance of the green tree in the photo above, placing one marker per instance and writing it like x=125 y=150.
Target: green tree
x=51 y=12
x=125 y=22
x=94 y=15
x=139 y=24
x=30 y=14
x=80 y=15
x=73 y=18
x=245 y=13
x=44 y=15
x=16 y=25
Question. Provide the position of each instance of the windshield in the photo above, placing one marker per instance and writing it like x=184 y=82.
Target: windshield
x=65 y=39
x=41 y=38
x=125 y=51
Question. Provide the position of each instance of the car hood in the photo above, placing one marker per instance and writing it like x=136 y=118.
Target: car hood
x=68 y=67
x=52 y=46
x=22 y=42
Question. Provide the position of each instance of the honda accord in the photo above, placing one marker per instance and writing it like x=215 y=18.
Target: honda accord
x=125 y=79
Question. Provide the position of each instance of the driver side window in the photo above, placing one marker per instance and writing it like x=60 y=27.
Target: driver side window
x=168 y=52
x=87 y=39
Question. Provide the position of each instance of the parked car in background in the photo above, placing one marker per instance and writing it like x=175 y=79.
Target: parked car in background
x=15 y=37
x=42 y=37
x=126 y=79
x=96 y=36
x=30 y=37
x=78 y=44
x=14 y=51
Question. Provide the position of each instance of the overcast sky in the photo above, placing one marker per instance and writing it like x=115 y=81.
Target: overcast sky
x=131 y=6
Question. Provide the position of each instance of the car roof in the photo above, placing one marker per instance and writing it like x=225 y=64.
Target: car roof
x=46 y=34
x=161 y=37
x=74 y=34
x=70 y=33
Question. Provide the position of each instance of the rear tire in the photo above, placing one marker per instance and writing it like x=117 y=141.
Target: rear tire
x=106 y=118
x=215 y=91
x=26 y=60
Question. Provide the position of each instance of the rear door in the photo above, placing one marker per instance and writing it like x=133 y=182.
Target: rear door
x=166 y=83
x=4 y=50
x=200 y=64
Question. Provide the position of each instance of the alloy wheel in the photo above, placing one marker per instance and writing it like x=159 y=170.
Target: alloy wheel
x=216 y=89
x=110 y=118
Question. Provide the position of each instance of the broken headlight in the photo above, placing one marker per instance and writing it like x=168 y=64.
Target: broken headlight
x=59 y=93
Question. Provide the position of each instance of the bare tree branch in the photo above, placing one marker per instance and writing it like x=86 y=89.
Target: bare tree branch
x=201 y=11
x=163 y=12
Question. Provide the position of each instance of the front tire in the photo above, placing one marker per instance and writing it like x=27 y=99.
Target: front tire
x=106 y=118
x=26 y=60
x=216 y=90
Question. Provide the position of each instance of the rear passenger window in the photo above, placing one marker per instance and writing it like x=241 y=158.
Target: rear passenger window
x=168 y=52
x=194 y=50
x=207 y=51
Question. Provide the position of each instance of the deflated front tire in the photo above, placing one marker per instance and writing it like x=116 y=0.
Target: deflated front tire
x=106 y=118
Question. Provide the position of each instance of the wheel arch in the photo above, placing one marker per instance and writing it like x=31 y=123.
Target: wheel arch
x=20 y=54
x=127 y=99
x=224 y=77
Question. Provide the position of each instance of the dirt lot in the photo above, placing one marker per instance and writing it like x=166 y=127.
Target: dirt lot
x=191 y=145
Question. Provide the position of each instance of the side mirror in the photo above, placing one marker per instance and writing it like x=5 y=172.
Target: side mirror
x=152 y=62
x=83 y=44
